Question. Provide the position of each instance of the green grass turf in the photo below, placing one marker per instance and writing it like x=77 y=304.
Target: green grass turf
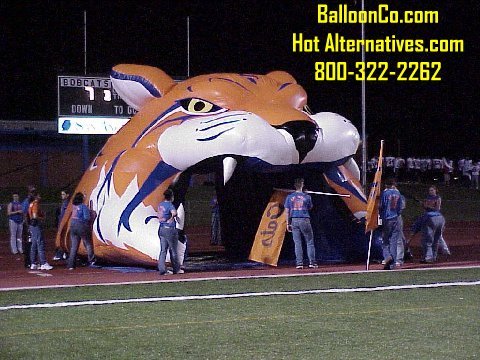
x=437 y=323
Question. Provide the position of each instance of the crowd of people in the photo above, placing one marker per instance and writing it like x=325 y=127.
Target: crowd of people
x=395 y=245
x=26 y=224
x=415 y=169
x=26 y=227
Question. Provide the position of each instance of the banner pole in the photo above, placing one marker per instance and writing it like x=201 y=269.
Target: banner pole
x=313 y=192
x=369 y=248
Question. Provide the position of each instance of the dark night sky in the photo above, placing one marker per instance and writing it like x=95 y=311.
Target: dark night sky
x=43 y=39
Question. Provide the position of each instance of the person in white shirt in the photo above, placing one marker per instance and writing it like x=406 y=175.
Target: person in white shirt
x=447 y=171
x=475 y=171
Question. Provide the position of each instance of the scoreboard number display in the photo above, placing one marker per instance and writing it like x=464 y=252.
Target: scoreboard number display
x=90 y=105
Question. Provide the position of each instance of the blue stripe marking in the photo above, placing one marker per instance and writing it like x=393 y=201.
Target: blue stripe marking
x=283 y=86
x=250 y=77
x=226 y=116
x=230 y=80
x=175 y=105
x=160 y=174
x=147 y=220
x=215 y=136
x=98 y=226
x=334 y=174
x=220 y=124
x=108 y=177
x=139 y=79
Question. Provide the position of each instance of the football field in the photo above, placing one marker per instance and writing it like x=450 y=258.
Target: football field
x=417 y=314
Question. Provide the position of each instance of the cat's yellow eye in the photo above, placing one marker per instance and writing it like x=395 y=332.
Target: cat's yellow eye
x=198 y=106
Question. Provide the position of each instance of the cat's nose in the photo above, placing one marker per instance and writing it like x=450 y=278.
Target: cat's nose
x=304 y=135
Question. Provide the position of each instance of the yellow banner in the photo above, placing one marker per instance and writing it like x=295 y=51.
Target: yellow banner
x=374 y=197
x=271 y=231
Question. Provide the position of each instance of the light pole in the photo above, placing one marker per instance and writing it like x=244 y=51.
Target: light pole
x=364 y=138
x=86 y=150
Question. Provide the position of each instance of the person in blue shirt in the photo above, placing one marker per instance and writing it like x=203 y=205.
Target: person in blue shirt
x=433 y=224
x=15 y=223
x=403 y=252
x=80 y=231
x=297 y=206
x=168 y=234
x=60 y=212
x=391 y=206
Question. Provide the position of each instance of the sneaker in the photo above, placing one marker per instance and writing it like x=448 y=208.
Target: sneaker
x=33 y=267
x=58 y=254
x=168 y=272
x=388 y=263
x=71 y=268
x=425 y=261
x=181 y=271
x=408 y=255
x=299 y=267
x=313 y=266
x=46 y=266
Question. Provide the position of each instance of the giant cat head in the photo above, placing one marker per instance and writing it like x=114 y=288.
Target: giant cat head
x=256 y=122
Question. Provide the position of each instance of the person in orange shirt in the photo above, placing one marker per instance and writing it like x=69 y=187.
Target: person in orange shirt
x=35 y=219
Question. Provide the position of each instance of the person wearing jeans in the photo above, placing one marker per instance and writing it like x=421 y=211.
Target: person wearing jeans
x=168 y=234
x=80 y=231
x=391 y=206
x=15 y=224
x=35 y=218
x=297 y=205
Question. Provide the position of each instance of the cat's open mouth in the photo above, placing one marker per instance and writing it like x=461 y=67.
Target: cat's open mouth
x=244 y=186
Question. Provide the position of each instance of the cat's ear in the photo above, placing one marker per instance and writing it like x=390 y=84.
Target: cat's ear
x=138 y=84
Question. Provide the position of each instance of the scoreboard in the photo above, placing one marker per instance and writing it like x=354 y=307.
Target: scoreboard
x=90 y=105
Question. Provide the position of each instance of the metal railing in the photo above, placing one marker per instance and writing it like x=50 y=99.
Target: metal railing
x=27 y=126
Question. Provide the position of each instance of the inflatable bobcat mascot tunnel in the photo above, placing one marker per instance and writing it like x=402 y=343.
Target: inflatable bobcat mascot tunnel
x=252 y=130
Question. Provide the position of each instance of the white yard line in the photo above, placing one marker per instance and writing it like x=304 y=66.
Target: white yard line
x=239 y=295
